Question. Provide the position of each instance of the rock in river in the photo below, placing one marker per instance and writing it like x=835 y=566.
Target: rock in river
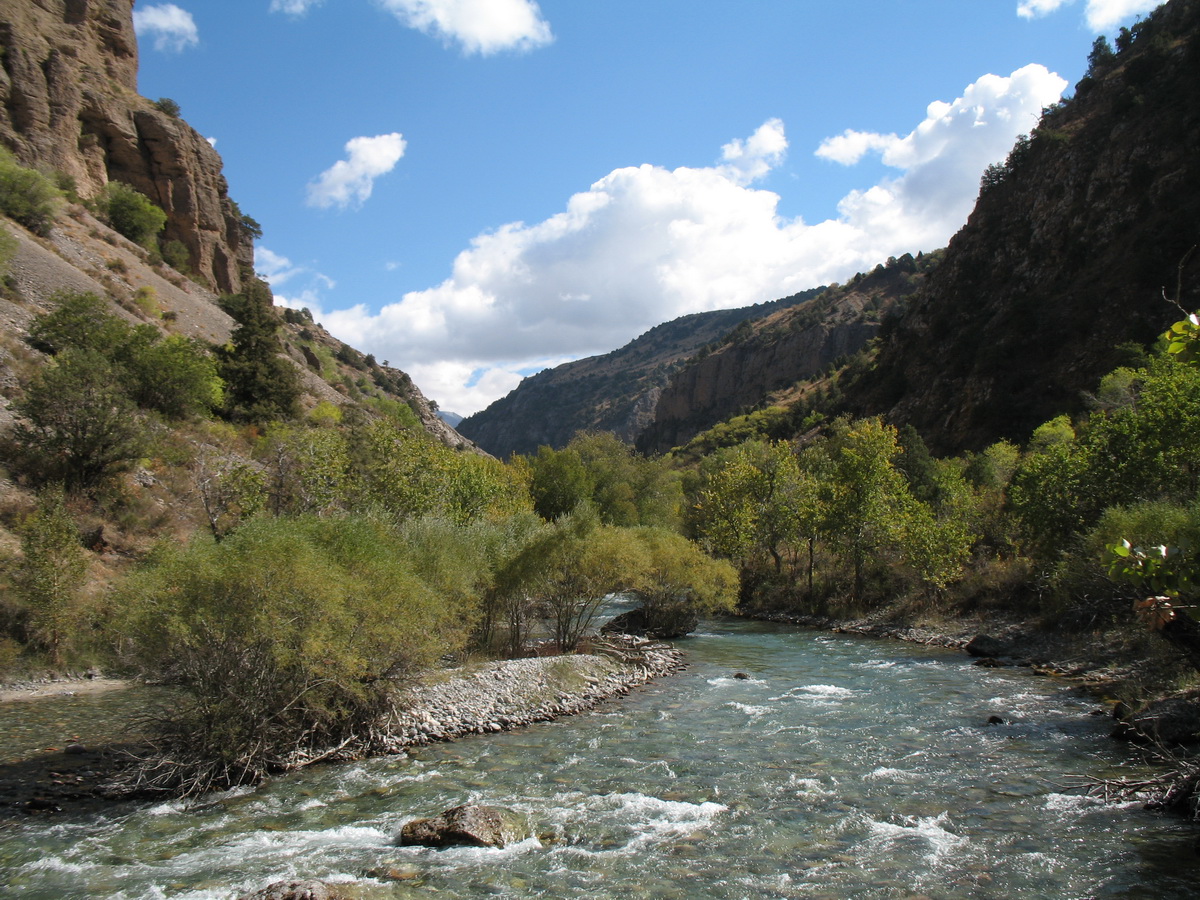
x=472 y=826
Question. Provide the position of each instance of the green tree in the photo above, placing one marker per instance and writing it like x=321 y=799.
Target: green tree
x=260 y=384
x=678 y=583
x=78 y=426
x=570 y=568
x=26 y=196
x=559 y=482
x=52 y=571
x=175 y=376
x=289 y=638
x=870 y=500
x=80 y=320
x=131 y=213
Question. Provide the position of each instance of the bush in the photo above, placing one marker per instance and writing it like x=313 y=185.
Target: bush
x=288 y=637
x=79 y=427
x=26 y=196
x=168 y=106
x=131 y=213
x=176 y=255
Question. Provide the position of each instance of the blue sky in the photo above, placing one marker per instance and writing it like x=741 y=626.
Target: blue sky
x=474 y=190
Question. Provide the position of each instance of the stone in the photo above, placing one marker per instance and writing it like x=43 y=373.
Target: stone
x=295 y=890
x=468 y=825
x=986 y=646
x=1171 y=722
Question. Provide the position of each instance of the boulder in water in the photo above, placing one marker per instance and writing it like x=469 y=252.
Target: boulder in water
x=987 y=646
x=665 y=624
x=471 y=826
x=295 y=890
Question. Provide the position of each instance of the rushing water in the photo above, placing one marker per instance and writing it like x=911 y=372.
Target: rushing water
x=841 y=768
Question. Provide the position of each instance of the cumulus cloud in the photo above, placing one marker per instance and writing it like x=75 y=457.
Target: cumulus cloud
x=351 y=180
x=646 y=244
x=1104 y=14
x=1100 y=14
x=173 y=29
x=294 y=7
x=478 y=26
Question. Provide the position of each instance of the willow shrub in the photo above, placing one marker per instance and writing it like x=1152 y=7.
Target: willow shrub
x=287 y=638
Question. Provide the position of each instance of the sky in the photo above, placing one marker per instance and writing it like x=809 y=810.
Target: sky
x=475 y=190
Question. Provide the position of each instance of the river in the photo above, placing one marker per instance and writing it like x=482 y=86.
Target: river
x=842 y=767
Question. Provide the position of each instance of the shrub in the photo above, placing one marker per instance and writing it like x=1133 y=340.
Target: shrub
x=168 y=106
x=176 y=255
x=26 y=196
x=79 y=428
x=131 y=213
x=287 y=636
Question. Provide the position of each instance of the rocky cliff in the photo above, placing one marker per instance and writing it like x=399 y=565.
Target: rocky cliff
x=616 y=392
x=1066 y=257
x=775 y=352
x=69 y=103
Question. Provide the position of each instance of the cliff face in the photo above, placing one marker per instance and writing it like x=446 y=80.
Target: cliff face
x=69 y=103
x=771 y=355
x=1066 y=256
x=616 y=392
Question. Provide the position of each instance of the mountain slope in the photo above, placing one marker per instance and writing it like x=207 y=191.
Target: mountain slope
x=775 y=352
x=615 y=392
x=1066 y=257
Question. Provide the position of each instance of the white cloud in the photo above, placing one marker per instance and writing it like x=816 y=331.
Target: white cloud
x=850 y=146
x=479 y=26
x=1105 y=14
x=172 y=28
x=646 y=244
x=1034 y=9
x=350 y=181
x=1100 y=14
x=294 y=7
x=749 y=160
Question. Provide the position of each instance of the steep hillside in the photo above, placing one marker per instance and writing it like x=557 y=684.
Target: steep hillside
x=616 y=392
x=1066 y=257
x=774 y=352
x=69 y=104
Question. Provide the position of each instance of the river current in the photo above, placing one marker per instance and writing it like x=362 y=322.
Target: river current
x=842 y=767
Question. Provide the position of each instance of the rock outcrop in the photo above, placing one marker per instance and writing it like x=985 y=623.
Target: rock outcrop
x=69 y=103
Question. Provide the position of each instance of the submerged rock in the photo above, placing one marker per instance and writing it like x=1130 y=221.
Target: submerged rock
x=471 y=826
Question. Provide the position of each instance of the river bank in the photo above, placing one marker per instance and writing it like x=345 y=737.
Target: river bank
x=449 y=704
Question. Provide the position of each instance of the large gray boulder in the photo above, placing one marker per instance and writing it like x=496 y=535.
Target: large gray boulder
x=471 y=826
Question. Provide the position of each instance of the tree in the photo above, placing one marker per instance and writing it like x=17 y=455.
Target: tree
x=79 y=428
x=870 y=499
x=261 y=385
x=52 y=570
x=80 y=320
x=26 y=196
x=570 y=568
x=678 y=582
x=131 y=213
x=288 y=639
x=559 y=482
x=175 y=376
